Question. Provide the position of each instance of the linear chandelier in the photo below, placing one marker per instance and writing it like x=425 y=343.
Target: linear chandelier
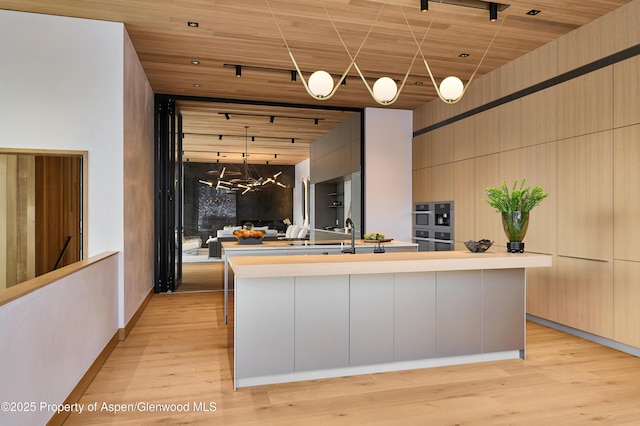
x=246 y=182
x=385 y=91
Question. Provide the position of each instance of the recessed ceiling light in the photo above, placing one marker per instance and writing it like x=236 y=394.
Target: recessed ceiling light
x=533 y=12
x=195 y=62
x=193 y=24
x=196 y=84
x=464 y=55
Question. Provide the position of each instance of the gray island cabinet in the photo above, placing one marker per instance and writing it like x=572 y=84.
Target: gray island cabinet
x=309 y=317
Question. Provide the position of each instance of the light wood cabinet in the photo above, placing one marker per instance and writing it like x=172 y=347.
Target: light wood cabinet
x=464 y=139
x=585 y=295
x=626 y=86
x=510 y=125
x=579 y=140
x=487 y=125
x=542 y=292
x=539 y=112
x=626 y=290
x=442 y=145
x=464 y=194
x=488 y=222
x=585 y=104
x=626 y=199
x=585 y=204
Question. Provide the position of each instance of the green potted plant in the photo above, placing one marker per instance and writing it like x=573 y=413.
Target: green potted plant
x=514 y=206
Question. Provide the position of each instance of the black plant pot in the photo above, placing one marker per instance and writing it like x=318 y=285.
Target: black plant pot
x=515 y=247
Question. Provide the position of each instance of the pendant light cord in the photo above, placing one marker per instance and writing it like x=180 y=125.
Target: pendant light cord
x=353 y=58
x=425 y=60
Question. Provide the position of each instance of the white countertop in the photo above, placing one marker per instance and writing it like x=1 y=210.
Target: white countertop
x=293 y=244
x=368 y=263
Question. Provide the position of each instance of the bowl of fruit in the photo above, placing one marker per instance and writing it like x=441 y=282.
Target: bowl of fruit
x=249 y=236
x=478 y=246
x=374 y=237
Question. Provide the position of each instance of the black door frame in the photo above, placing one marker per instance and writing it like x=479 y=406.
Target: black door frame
x=168 y=193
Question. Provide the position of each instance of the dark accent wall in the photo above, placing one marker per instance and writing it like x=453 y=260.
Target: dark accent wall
x=206 y=209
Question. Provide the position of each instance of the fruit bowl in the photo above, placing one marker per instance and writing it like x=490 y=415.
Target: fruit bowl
x=478 y=246
x=246 y=236
x=373 y=236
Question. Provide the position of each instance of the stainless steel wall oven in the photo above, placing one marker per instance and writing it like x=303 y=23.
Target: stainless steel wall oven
x=433 y=225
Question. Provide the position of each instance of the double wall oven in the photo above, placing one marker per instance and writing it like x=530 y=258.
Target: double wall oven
x=433 y=226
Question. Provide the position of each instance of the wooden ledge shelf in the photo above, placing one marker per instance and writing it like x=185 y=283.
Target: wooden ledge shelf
x=19 y=290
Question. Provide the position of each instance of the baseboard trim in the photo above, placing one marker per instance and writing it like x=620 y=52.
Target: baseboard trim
x=124 y=332
x=622 y=347
x=58 y=418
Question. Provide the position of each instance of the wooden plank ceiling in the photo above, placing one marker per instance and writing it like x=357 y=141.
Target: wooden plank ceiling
x=245 y=32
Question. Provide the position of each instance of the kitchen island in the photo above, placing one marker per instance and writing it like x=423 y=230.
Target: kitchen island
x=301 y=247
x=308 y=317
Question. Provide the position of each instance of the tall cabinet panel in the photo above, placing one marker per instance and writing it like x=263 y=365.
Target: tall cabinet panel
x=626 y=157
x=626 y=293
x=585 y=203
x=585 y=295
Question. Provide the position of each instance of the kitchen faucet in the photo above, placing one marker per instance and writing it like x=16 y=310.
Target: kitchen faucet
x=351 y=249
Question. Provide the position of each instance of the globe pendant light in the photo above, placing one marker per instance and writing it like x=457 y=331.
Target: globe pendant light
x=320 y=83
x=451 y=88
x=385 y=89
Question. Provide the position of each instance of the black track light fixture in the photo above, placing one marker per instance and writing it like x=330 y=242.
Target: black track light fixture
x=219 y=138
x=493 y=11
x=238 y=70
x=294 y=75
x=253 y=138
x=226 y=115
x=271 y=119
x=424 y=5
x=293 y=140
x=315 y=122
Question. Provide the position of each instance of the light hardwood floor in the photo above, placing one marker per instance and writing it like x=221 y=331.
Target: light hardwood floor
x=177 y=353
x=202 y=276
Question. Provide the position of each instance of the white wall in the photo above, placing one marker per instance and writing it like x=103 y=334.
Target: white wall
x=387 y=176
x=50 y=337
x=62 y=82
x=61 y=88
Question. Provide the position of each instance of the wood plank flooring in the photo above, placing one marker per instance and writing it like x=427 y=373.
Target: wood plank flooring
x=177 y=353
x=202 y=276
